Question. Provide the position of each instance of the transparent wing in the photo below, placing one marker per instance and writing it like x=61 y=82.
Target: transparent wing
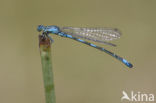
x=95 y=34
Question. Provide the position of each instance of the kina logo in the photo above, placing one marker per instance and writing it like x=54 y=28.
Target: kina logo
x=137 y=97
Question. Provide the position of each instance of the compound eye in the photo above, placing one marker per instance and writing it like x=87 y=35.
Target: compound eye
x=40 y=28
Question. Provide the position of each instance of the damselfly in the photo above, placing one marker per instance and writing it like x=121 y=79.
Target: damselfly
x=101 y=35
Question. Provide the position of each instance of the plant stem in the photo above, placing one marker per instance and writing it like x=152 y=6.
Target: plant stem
x=45 y=52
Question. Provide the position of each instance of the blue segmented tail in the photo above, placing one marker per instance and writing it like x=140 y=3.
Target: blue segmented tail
x=97 y=47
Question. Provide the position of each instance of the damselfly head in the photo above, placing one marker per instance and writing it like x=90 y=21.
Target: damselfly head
x=40 y=28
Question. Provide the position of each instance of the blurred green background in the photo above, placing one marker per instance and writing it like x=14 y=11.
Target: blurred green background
x=82 y=74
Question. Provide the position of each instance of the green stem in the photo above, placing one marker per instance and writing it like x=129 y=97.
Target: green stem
x=45 y=52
